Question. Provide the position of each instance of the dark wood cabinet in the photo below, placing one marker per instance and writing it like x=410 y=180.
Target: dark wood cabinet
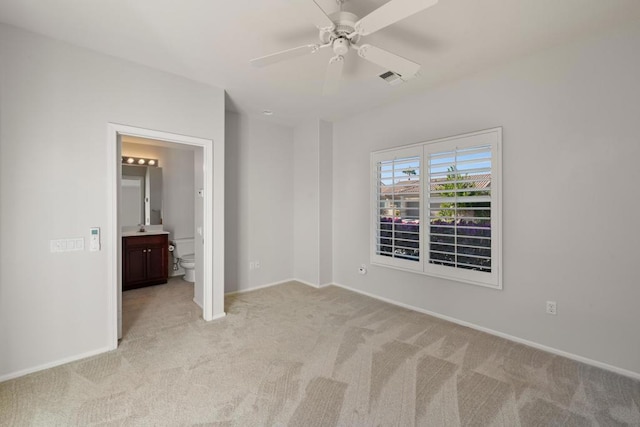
x=145 y=260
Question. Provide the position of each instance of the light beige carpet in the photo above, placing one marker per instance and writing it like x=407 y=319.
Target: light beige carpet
x=294 y=355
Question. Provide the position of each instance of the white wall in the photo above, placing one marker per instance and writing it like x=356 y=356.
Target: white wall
x=55 y=105
x=178 y=187
x=570 y=174
x=325 y=197
x=312 y=195
x=306 y=170
x=258 y=202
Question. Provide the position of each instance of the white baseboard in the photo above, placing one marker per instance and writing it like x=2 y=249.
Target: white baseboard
x=53 y=364
x=621 y=371
x=617 y=370
x=268 y=285
x=218 y=316
x=197 y=303
x=306 y=283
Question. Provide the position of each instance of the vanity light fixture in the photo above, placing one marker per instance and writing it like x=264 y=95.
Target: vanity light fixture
x=139 y=161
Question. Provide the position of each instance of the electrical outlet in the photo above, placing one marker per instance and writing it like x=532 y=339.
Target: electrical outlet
x=362 y=269
x=257 y=264
x=252 y=265
x=552 y=308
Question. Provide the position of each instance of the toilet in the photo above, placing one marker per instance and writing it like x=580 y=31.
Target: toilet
x=185 y=252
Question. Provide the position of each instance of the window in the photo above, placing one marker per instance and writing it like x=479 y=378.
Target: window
x=436 y=208
x=397 y=221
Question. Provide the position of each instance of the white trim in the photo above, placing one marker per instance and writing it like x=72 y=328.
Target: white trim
x=112 y=238
x=53 y=364
x=304 y=282
x=255 y=288
x=401 y=153
x=605 y=366
x=268 y=285
x=489 y=137
x=218 y=316
x=197 y=303
x=597 y=364
x=433 y=141
x=318 y=192
x=213 y=219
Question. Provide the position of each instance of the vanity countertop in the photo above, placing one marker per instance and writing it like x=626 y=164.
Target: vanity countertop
x=143 y=233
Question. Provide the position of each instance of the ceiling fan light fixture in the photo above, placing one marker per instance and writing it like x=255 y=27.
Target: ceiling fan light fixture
x=341 y=46
x=342 y=31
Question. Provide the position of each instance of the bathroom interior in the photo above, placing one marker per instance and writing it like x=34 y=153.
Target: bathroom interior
x=160 y=213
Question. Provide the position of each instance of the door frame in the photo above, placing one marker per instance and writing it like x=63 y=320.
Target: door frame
x=213 y=221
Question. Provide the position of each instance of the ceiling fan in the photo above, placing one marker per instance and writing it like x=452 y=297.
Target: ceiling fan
x=343 y=30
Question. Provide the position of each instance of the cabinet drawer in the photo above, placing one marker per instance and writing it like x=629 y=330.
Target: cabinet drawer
x=153 y=240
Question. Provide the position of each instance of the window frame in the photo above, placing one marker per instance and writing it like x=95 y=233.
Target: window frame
x=376 y=157
x=490 y=137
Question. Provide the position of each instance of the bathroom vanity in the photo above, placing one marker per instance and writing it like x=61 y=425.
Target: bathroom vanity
x=145 y=259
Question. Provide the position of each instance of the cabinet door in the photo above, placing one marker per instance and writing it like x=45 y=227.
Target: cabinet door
x=156 y=262
x=135 y=265
x=145 y=260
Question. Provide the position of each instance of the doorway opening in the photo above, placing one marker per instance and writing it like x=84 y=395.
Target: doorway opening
x=208 y=211
x=161 y=194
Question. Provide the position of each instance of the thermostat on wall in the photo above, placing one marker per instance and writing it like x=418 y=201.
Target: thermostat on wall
x=94 y=239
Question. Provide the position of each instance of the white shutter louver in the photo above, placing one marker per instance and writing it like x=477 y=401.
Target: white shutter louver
x=460 y=208
x=398 y=192
x=398 y=197
x=447 y=222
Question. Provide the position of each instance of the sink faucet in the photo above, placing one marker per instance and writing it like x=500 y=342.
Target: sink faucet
x=141 y=229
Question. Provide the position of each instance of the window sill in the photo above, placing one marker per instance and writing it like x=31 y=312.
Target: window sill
x=497 y=287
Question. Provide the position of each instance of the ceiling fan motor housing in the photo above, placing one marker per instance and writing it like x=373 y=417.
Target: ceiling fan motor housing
x=344 y=23
x=342 y=31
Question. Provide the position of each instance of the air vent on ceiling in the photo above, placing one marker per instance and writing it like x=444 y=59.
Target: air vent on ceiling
x=391 y=78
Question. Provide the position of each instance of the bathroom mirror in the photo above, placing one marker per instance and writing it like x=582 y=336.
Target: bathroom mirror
x=141 y=195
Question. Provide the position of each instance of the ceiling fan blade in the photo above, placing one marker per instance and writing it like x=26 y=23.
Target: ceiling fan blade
x=390 y=13
x=284 y=55
x=315 y=14
x=407 y=69
x=334 y=75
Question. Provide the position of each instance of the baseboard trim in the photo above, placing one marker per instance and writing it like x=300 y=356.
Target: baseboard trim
x=218 y=316
x=280 y=282
x=585 y=360
x=197 y=303
x=602 y=365
x=255 y=288
x=53 y=364
x=306 y=283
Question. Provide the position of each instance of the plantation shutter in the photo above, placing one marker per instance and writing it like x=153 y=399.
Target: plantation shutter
x=436 y=208
x=460 y=215
x=398 y=194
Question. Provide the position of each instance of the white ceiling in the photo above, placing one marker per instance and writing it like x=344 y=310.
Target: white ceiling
x=212 y=41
